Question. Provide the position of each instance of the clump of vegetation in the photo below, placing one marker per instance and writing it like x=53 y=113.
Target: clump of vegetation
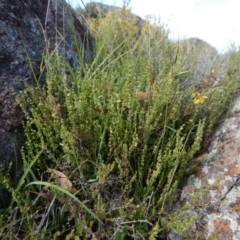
x=108 y=145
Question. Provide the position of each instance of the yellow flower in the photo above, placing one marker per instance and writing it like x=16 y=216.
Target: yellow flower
x=198 y=98
x=205 y=81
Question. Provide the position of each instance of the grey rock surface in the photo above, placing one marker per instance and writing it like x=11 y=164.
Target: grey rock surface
x=203 y=63
x=217 y=209
x=29 y=29
x=97 y=9
x=197 y=43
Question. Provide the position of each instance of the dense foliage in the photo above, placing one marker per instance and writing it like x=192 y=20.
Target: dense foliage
x=108 y=145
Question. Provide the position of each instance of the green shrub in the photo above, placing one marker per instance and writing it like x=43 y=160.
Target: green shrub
x=108 y=145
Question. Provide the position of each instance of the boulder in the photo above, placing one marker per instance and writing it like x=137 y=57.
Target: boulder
x=217 y=208
x=97 y=9
x=27 y=30
x=198 y=44
x=202 y=61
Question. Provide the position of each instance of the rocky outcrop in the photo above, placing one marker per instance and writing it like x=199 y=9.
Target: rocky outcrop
x=202 y=61
x=97 y=9
x=217 y=208
x=28 y=29
x=198 y=44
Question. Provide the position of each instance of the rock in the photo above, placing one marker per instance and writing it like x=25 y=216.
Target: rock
x=173 y=235
x=27 y=29
x=97 y=9
x=202 y=61
x=218 y=209
x=199 y=45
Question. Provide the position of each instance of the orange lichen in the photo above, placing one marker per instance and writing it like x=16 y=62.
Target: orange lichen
x=222 y=226
x=233 y=169
x=190 y=190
